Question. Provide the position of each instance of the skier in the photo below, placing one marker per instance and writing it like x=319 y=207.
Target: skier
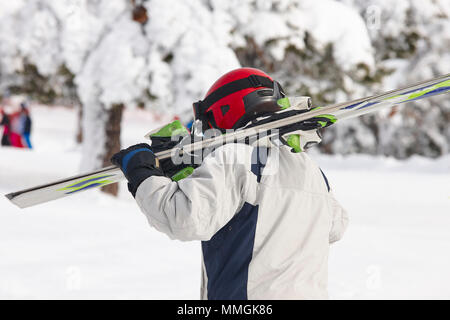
x=265 y=214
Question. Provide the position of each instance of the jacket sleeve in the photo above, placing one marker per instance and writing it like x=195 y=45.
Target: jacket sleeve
x=196 y=207
x=340 y=220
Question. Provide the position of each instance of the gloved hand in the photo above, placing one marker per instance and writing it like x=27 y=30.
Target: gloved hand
x=167 y=166
x=165 y=138
x=137 y=162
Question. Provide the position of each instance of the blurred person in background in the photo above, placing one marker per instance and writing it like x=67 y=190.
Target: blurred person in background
x=25 y=121
x=5 y=122
x=16 y=129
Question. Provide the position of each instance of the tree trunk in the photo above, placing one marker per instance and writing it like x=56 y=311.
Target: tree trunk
x=112 y=143
x=79 y=136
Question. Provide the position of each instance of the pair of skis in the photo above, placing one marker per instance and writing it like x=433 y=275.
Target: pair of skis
x=284 y=122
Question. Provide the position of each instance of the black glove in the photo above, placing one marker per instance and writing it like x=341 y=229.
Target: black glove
x=167 y=166
x=137 y=162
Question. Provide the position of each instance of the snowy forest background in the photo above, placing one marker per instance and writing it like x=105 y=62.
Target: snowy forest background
x=102 y=55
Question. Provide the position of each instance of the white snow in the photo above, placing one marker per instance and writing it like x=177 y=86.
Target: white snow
x=398 y=242
x=94 y=246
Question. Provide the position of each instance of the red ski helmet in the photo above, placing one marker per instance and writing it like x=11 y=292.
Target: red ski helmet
x=238 y=97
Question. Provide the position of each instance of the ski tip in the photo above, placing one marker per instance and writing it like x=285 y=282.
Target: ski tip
x=9 y=196
x=13 y=198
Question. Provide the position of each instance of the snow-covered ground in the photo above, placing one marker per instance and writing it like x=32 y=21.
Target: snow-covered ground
x=94 y=246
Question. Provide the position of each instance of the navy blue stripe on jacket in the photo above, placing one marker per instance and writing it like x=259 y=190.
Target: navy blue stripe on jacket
x=228 y=254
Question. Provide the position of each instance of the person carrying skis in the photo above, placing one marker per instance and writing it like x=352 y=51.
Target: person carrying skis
x=265 y=214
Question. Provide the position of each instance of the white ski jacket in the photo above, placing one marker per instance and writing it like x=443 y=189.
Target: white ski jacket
x=265 y=222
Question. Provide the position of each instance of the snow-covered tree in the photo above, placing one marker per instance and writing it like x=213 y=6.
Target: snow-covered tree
x=410 y=41
x=164 y=62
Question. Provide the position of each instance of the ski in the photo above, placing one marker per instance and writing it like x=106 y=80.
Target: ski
x=284 y=122
x=65 y=187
